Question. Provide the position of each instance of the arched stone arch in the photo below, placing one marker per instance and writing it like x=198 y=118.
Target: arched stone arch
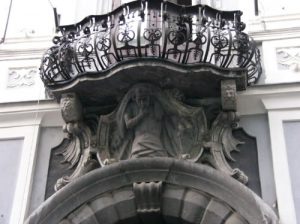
x=154 y=190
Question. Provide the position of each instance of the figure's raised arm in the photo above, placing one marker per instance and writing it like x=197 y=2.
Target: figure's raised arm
x=131 y=121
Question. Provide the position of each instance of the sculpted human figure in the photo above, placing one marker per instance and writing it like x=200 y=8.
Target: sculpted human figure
x=150 y=122
x=144 y=117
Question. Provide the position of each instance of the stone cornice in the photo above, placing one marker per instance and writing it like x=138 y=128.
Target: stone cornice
x=275 y=27
x=16 y=114
x=280 y=96
x=24 y=48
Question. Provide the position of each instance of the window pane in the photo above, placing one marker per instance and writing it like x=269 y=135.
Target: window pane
x=292 y=141
x=10 y=151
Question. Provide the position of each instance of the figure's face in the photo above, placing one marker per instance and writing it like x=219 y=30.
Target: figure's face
x=142 y=97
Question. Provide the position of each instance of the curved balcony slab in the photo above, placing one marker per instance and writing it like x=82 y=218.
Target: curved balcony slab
x=106 y=87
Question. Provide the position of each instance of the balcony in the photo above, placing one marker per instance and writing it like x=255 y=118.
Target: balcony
x=158 y=31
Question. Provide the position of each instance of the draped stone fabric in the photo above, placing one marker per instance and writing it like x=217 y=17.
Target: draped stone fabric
x=170 y=127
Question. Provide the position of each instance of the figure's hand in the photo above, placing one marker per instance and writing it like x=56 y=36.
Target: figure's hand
x=143 y=106
x=143 y=111
x=143 y=102
x=131 y=122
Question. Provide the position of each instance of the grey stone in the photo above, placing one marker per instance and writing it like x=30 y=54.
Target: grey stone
x=201 y=180
x=148 y=122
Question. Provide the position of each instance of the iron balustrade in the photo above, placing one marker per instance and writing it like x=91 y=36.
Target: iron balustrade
x=151 y=29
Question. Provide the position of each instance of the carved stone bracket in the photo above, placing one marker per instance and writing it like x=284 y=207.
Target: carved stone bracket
x=228 y=95
x=76 y=146
x=222 y=143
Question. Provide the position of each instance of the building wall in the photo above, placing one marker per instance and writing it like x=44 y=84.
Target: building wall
x=269 y=111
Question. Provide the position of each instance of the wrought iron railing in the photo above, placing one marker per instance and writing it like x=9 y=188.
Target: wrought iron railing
x=151 y=29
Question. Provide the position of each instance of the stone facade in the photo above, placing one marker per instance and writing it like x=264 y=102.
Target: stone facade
x=267 y=116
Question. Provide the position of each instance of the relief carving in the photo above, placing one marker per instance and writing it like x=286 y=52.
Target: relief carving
x=149 y=122
x=76 y=148
x=228 y=95
x=288 y=58
x=18 y=77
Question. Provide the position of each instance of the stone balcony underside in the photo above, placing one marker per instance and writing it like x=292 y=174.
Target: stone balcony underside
x=195 y=35
x=194 y=81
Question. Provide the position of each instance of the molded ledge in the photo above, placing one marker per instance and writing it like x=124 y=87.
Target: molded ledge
x=199 y=80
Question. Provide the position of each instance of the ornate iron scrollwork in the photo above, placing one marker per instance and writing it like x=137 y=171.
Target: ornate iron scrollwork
x=126 y=35
x=183 y=35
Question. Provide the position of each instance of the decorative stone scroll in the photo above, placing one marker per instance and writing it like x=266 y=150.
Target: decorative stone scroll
x=77 y=145
x=18 y=77
x=288 y=58
x=149 y=122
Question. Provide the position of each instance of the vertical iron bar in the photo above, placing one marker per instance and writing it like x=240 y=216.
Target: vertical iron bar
x=56 y=19
x=139 y=38
x=113 y=36
x=207 y=44
x=188 y=35
x=229 y=49
x=256 y=7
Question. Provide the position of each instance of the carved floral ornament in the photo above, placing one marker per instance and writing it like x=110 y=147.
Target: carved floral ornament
x=288 y=58
x=18 y=77
x=148 y=122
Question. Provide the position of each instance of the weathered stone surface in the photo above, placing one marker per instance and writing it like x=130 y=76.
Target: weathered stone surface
x=148 y=122
x=194 y=80
x=228 y=95
x=217 y=194
x=247 y=159
x=147 y=196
